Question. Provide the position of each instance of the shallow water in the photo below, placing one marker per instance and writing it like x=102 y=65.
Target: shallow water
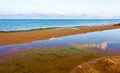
x=111 y=37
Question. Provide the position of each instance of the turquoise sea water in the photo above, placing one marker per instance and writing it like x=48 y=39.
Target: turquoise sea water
x=29 y=24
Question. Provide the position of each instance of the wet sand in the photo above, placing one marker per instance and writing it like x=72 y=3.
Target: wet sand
x=29 y=36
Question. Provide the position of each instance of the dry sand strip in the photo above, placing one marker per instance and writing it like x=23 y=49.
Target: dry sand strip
x=29 y=36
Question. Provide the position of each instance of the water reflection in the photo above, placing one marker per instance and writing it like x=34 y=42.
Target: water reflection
x=109 y=39
x=102 y=46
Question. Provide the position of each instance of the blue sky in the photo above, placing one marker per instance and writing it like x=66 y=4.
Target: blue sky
x=60 y=8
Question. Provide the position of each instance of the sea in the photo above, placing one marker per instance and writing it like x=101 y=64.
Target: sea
x=30 y=24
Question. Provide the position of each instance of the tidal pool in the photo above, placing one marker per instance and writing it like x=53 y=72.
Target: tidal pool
x=110 y=37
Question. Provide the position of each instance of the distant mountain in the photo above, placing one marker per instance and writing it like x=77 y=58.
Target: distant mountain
x=52 y=15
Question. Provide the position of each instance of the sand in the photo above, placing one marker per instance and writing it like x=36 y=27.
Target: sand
x=29 y=36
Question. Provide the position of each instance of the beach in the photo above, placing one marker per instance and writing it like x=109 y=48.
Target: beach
x=9 y=38
x=55 y=59
x=59 y=36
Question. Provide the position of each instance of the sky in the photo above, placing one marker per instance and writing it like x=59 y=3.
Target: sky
x=59 y=8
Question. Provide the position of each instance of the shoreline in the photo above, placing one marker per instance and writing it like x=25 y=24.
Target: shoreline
x=12 y=31
x=9 y=38
x=27 y=30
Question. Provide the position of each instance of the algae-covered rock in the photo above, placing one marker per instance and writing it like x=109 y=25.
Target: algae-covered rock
x=102 y=65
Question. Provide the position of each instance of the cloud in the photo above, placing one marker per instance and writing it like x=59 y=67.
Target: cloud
x=37 y=0
x=50 y=15
x=61 y=8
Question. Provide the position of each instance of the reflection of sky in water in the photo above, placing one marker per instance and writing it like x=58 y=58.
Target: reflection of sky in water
x=88 y=38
